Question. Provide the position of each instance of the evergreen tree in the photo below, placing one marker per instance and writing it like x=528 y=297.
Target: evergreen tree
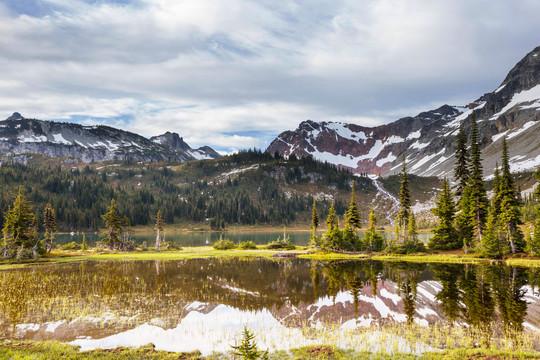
x=113 y=225
x=159 y=230
x=49 y=223
x=445 y=235
x=352 y=216
x=461 y=171
x=314 y=240
x=478 y=198
x=535 y=241
x=404 y=201
x=372 y=240
x=464 y=224
x=84 y=245
x=491 y=244
x=510 y=216
x=333 y=236
x=19 y=229
x=412 y=233
x=314 y=216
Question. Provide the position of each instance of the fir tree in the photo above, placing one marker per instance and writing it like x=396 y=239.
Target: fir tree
x=404 y=201
x=372 y=240
x=49 y=223
x=333 y=235
x=159 y=230
x=464 y=224
x=491 y=242
x=84 y=245
x=445 y=235
x=248 y=347
x=510 y=216
x=352 y=216
x=412 y=233
x=535 y=240
x=19 y=228
x=113 y=225
x=461 y=171
x=478 y=198
x=314 y=240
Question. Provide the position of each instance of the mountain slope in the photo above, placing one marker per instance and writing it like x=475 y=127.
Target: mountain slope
x=427 y=140
x=19 y=135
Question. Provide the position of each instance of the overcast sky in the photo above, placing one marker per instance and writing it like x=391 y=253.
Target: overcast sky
x=235 y=73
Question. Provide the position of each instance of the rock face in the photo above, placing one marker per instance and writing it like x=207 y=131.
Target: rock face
x=427 y=140
x=19 y=135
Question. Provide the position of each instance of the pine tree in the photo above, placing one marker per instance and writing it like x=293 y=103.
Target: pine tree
x=49 y=223
x=461 y=171
x=478 y=198
x=491 y=242
x=314 y=240
x=464 y=224
x=248 y=347
x=314 y=216
x=510 y=216
x=353 y=217
x=535 y=241
x=159 y=230
x=84 y=245
x=412 y=233
x=20 y=228
x=404 y=201
x=372 y=240
x=445 y=235
x=333 y=235
x=113 y=225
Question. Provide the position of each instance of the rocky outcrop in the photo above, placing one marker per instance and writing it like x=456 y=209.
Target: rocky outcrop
x=19 y=135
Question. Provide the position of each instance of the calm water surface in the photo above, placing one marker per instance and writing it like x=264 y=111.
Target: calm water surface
x=208 y=238
x=204 y=303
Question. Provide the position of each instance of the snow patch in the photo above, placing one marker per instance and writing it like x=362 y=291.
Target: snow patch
x=389 y=158
x=520 y=97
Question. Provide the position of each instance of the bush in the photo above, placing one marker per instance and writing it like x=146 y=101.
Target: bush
x=170 y=246
x=247 y=245
x=71 y=246
x=224 y=244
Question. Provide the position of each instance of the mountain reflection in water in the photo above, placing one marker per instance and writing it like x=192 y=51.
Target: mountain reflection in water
x=107 y=304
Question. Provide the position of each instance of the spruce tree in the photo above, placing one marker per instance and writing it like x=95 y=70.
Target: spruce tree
x=445 y=235
x=113 y=227
x=464 y=224
x=535 y=241
x=19 y=228
x=510 y=216
x=404 y=201
x=314 y=240
x=159 y=230
x=352 y=216
x=491 y=242
x=372 y=240
x=412 y=233
x=49 y=223
x=461 y=171
x=478 y=198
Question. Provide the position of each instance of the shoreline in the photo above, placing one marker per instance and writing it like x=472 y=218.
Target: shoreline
x=302 y=252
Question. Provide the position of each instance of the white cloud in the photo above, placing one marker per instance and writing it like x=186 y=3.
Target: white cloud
x=209 y=69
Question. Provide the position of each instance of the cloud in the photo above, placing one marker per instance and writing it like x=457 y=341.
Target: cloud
x=210 y=69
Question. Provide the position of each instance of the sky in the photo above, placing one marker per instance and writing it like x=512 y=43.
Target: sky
x=233 y=74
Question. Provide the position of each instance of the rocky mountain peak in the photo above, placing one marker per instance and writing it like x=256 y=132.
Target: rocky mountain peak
x=15 y=116
x=172 y=140
x=526 y=73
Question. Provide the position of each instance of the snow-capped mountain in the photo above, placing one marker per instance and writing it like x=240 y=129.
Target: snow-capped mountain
x=19 y=135
x=427 y=140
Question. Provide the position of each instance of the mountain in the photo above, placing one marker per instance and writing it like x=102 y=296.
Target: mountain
x=427 y=139
x=19 y=135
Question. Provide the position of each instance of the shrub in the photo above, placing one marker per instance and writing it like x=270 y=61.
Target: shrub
x=247 y=245
x=224 y=244
x=71 y=246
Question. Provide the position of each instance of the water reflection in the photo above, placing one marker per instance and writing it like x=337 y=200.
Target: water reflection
x=103 y=300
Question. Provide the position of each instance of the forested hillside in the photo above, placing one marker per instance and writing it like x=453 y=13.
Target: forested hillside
x=247 y=188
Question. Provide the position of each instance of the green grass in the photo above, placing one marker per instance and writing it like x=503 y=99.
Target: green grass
x=202 y=252
x=56 y=350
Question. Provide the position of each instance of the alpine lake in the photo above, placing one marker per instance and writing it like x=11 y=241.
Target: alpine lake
x=287 y=302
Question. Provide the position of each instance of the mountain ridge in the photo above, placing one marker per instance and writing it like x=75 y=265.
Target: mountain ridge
x=427 y=139
x=96 y=143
